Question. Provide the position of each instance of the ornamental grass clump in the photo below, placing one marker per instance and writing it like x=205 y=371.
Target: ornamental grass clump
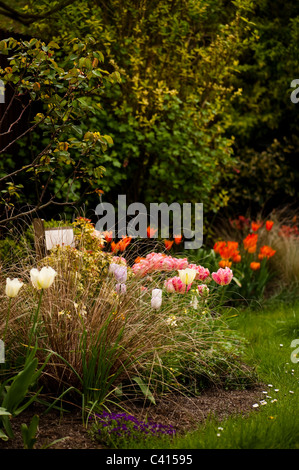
x=284 y=238
x=110 y=332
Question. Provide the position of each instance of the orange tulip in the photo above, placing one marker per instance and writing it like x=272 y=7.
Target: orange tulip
x=124 y=243
x=230 y=250
x=108 y=236
x=218 y=246
x=236 y=258
x=250 y=242
x=138 y=259
x=226 y=249
x=168 y=244
x=269 y=225
x=255 y=266
x=224 y=263
x=151 y=232
x=114 y=247
x=266 y=252
x=256 y=225
x=178 y=239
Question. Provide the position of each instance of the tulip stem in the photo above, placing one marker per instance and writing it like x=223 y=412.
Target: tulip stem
x=222 y=295
x=33 y=328
x=7 y=319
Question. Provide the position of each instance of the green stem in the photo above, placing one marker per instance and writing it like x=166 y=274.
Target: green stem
x=35 y=319
x=7 y=319
x=222 y=295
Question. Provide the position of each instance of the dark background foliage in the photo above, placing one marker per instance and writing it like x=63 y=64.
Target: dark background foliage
x=202 y=111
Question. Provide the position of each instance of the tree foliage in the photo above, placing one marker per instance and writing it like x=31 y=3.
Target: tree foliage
x=265 y=120
x=168 y=117
x=55 y=93
x=202 y=109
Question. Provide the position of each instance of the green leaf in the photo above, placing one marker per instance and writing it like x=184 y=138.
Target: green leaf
x=4 y=412
x=19 y=387
x=29 y=433
x=145 y=390
x=77 y=129
x=3 y=436
x=53 y=45
x=237 y=282
x=108 y=139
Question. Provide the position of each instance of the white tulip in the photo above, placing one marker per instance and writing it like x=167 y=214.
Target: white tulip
x=12 y=287
x=187 y=275
x=44 y=278
x=156 y=301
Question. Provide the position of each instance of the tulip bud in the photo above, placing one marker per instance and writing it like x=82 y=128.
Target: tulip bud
x=42 y=279
x=120 y=273
x=203 y=290
x=12 y=287
x=156 y=301
x=187 y=275
x=121 y=288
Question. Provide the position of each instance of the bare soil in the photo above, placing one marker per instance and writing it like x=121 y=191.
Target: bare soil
x=179 y=411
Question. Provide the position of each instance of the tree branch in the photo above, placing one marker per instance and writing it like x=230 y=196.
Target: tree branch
x=28 y=18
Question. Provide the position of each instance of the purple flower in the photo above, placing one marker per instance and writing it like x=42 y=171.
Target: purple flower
x=112 y=267
x=120 y=273
x=122 y=425
x=121 y=288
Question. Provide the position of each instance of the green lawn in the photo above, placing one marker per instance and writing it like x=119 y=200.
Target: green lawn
x=275 y=424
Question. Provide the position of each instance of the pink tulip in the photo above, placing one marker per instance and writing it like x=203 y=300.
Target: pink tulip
x=203 y=290
x=159 y=262
x=167 y=264
x=202 y=273
x=176 y=285
x=223 y=276
x=180 y=263
x=169 y=285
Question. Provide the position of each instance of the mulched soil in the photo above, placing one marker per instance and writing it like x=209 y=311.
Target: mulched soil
x=179 y=411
